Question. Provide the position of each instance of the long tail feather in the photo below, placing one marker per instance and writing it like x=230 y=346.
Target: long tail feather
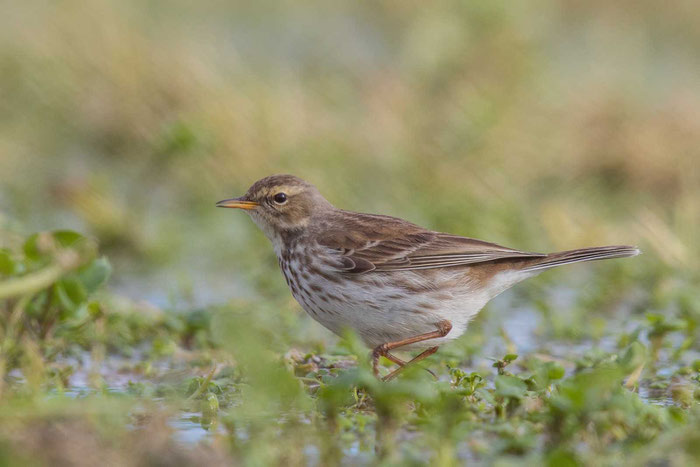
x=583 y=254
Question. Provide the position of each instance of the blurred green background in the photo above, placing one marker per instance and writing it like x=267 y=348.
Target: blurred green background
x=544 y=126
x=541 y=126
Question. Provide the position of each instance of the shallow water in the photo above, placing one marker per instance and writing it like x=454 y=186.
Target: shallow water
x=518 y=320
x=188 y=428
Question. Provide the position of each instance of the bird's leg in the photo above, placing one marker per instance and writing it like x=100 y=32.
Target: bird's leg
x=394 y=359
x=401 y=363
x=417 y=358
x=376 y=353
x=443 y=328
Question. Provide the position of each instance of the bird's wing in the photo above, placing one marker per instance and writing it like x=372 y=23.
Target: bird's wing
x=381 y=243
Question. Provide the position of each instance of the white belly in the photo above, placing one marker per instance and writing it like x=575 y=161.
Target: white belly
x=381 y=306
x=380 y=311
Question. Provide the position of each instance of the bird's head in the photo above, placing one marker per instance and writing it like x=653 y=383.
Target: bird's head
x=280 y=204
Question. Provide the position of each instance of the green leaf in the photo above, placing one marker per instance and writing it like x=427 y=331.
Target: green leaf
x=94 y=309
x=67 y=238
x=7 y=265
x=633 y=357
x=31 y=248
x=510 y=386
x=95 y=274
x=212 y=402
x=70 y=294
x=562 y=458
x=544 y=373
x=63 y=238
x=696 y=365
x=555 y=371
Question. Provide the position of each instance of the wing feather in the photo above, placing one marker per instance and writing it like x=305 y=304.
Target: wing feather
x=380 y=243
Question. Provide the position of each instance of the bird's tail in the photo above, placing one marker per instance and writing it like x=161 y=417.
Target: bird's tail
x=583 y=254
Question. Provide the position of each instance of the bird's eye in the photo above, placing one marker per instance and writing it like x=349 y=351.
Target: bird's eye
x=280 y=198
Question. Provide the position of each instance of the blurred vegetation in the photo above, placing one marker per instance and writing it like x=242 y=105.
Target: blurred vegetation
x=165 y=333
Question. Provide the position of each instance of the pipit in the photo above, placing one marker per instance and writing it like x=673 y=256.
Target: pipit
x=397 y=285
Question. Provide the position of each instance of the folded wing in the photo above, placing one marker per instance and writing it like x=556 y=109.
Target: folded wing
x=365 y=245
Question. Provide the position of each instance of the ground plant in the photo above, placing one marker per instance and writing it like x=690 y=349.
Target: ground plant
x=140 y=325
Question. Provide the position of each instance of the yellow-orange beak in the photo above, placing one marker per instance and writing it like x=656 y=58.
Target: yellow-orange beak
x=238 y=203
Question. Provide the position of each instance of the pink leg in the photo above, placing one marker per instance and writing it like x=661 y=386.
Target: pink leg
x=443 y=328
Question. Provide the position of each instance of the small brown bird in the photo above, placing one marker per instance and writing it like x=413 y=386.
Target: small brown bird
x=397 y=285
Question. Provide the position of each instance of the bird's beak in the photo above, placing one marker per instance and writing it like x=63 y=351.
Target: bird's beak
x=239 y=203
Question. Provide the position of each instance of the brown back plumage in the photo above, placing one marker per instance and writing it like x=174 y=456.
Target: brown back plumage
x=382 y=243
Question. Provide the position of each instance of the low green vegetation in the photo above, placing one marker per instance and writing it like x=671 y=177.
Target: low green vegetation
x=85 y=369
x=163 y=332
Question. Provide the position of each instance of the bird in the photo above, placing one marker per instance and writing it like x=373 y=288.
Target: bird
x=395 y=284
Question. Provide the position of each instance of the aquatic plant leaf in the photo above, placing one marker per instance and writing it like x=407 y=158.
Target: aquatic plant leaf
x=510 y=386
x=95 y=274
x=633 y=356
x=70 y=294
x=7 y=264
